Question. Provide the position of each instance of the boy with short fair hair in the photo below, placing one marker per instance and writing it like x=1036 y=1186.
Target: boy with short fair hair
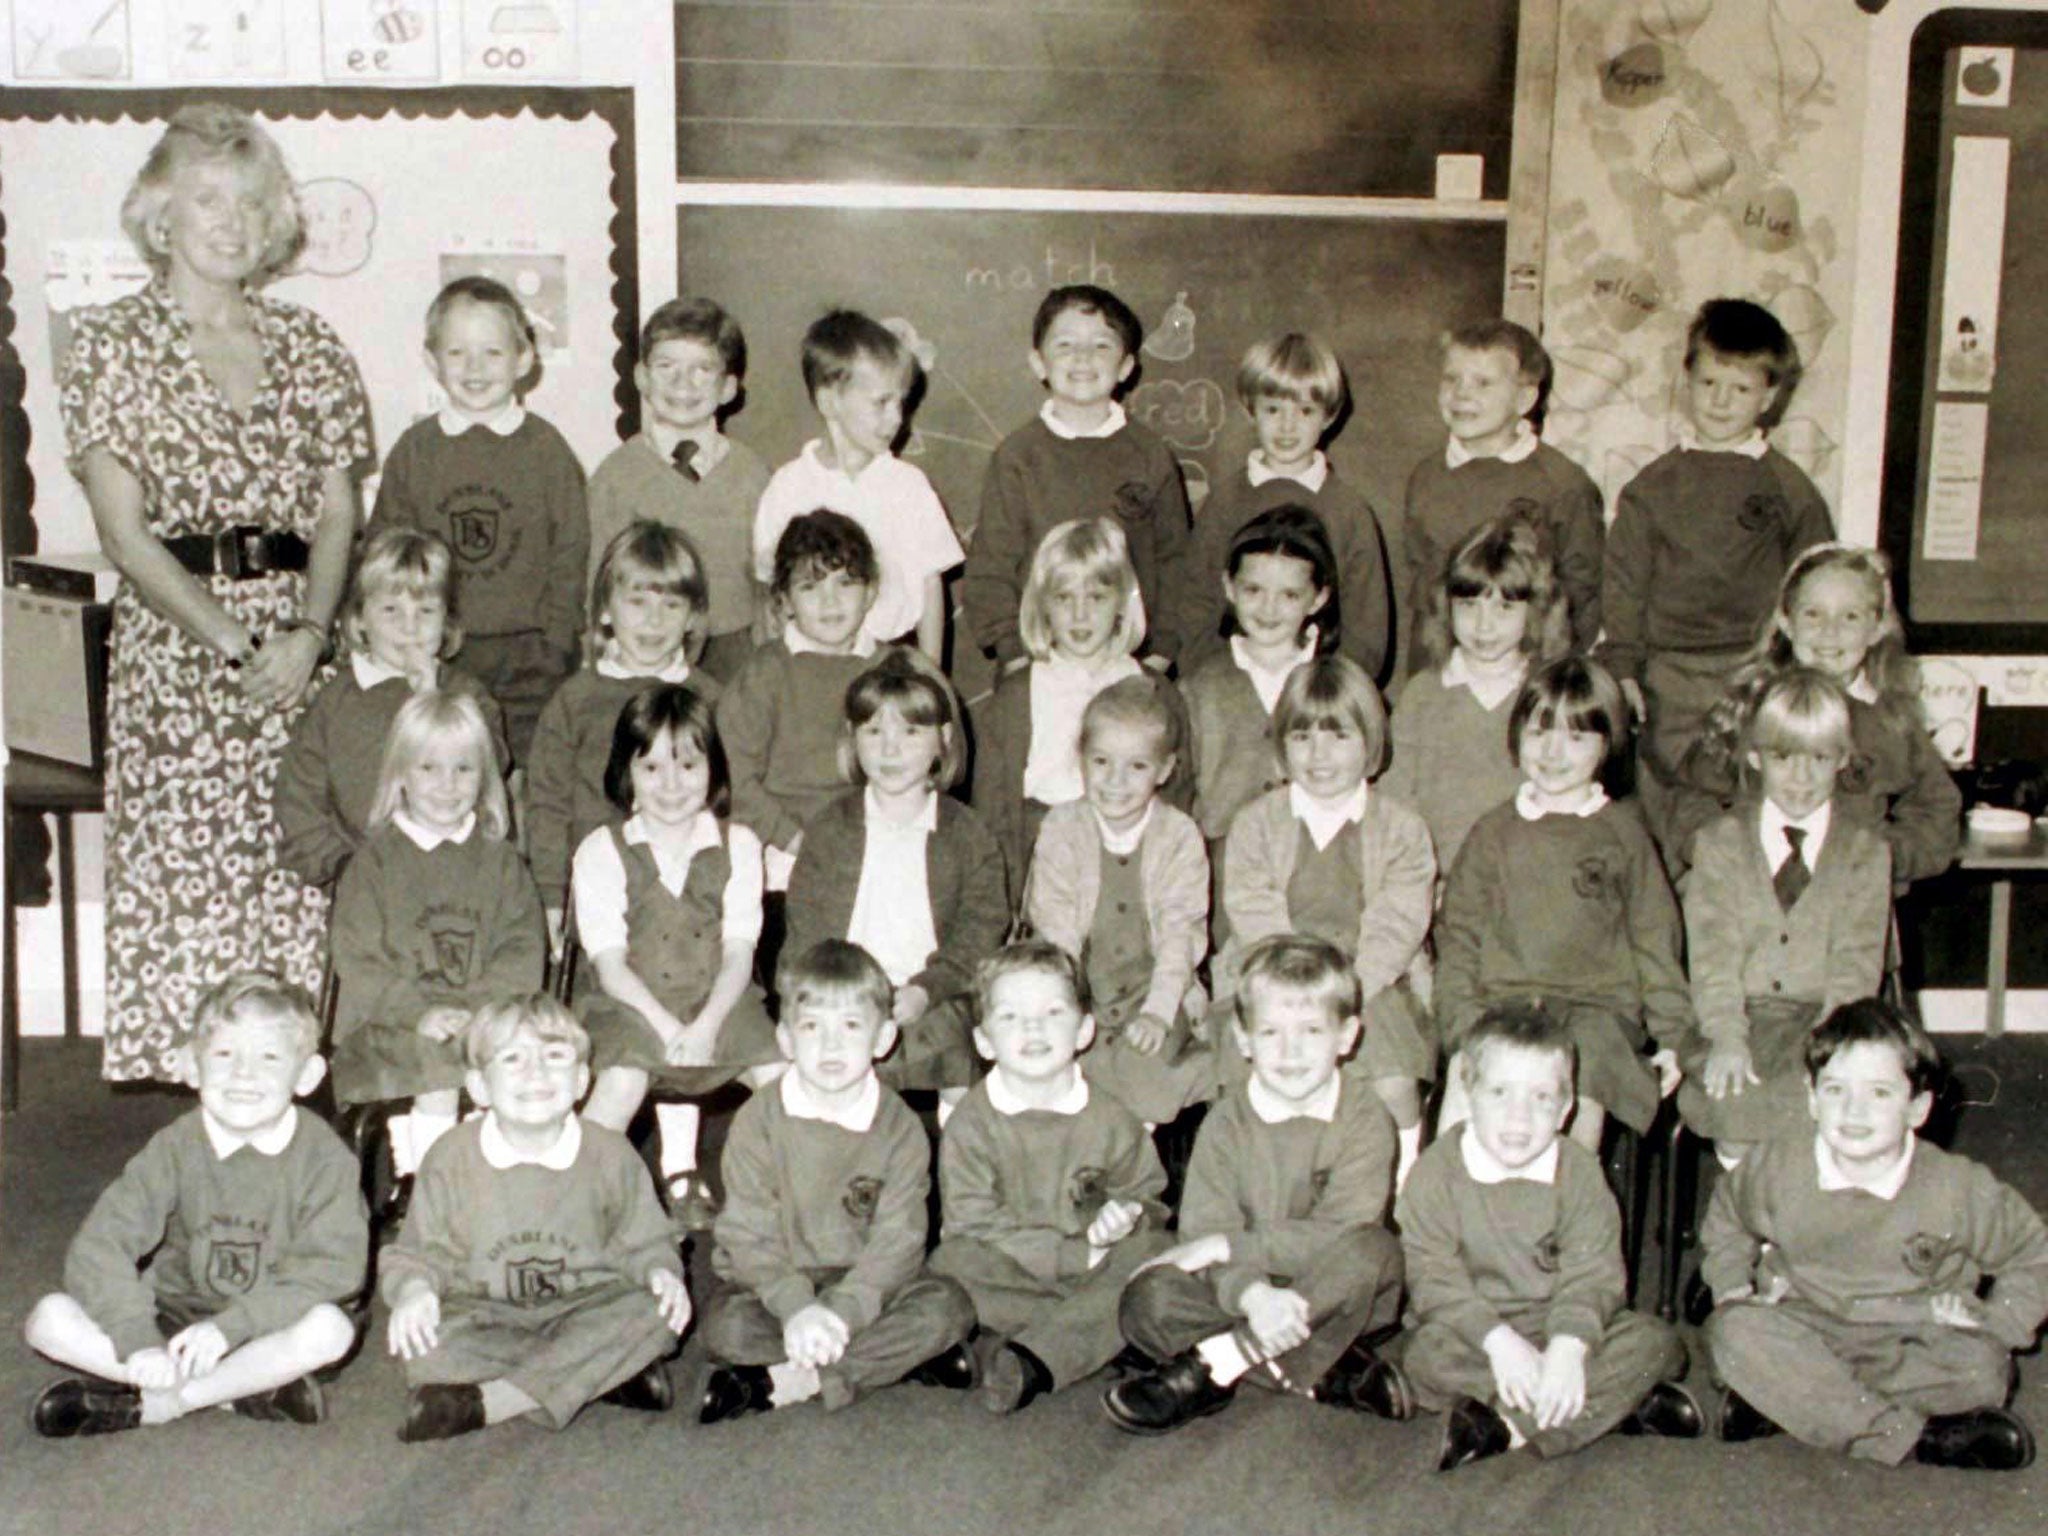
x=1294 y=390
x=1516 y=1287
x=1081 y=457
x=1495 y=376
x=682 y=470
x=1051 y=1194
x=858 y=373
x=820 y=1245
x=1285 y=1267
x=213 y=1270
x=1849 y=1270
x=536 y=1270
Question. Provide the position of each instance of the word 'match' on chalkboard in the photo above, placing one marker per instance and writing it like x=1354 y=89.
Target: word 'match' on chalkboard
x=967 y=283
x=1967 y=432
x=1331 y=97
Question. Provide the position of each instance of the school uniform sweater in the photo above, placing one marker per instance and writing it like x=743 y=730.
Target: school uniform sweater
x=1397 y=883
x=1700 y=543
x=1173 y=869
x=1861 y=1258
x=1029 y=1184
x=1282 y=1193
x=1449 y=758
x=1894 y=781
x=251 y=1241
x=781 y=723
x=414 y=928
x=803 y=1195
x=1445 y=506
x=1828 y=949
x=1232 y=757
x=327 y=779
x=1574 y=908
x=1543 y=1258
x=572 y=746
x=512 y=508
x=963 y=872
x=1037 y=480
x=637 y=481
x=1195 y=603
x=528 y=1234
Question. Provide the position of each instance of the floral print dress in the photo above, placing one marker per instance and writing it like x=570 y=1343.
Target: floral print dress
x=194 y=886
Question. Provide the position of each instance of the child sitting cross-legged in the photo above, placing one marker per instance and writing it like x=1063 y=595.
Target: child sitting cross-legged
x=822 y=1290
x=1285 y=1266
x=537 y=1271
x=1516 y=1319
x=1050 y=1191
x=211 y=1270
x=1850 y=1269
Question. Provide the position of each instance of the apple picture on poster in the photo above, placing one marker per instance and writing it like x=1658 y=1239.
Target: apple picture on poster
x=1983 y=77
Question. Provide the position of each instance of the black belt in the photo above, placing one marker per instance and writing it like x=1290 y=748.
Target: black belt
x=241 y=553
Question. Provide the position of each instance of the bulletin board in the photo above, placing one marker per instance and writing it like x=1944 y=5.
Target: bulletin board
x=1967 y=432
x=401 y=191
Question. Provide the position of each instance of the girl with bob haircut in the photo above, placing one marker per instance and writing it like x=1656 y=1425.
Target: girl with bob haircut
x=902 y=869
x=434 y=916
x=1328 y=856
x=398 y=627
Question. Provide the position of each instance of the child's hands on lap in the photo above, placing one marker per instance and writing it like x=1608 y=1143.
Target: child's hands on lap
x=415 y=1329
x=1517 y=1367
x=691 y=1046
x=444 y=1022
x=556 y=923
x=1728 y=1071
x=1957 y=1309
x=1117 y=1220
x=1665 y=1064
x=1193 y=1256
x=152 y=1369
x=1278 y=1318
x=1145 y=1034
x=196 y=1350
x=1561 y=1386
x=816 y=1336
x=672 y=1297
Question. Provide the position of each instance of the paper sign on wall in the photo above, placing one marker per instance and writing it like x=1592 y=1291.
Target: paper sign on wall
x=225 y=39
x=71 y=40
x=1955 y=481
x=506 y=41
x=373 y=40
x=1976 y=251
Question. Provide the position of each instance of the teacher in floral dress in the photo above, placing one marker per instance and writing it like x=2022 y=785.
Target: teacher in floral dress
x=219 y=434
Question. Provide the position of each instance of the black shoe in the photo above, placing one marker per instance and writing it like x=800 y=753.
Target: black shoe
x=1472 y=1432
x=1179 y=1392
x=1987 y=1440
x=390 y=1212
x=1013 y=1378
x=1131 y=1361
x=1698 y=1305
x=647 y=1390
x=296 y=1402
x=691 y=1205
x=1362 y=1380
x=1669 y=1412
x=953 y=1370
x=81 y=1405
x=441 y=1410
x=734 y=1391
x=1740 y=1421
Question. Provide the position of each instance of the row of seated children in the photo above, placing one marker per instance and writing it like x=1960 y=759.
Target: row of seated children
x=536 y=1273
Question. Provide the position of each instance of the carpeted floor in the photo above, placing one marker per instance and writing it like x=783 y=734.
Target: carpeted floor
x=912 y=1460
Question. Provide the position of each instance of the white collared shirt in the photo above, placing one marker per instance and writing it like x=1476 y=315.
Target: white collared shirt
x=1754 y=446
x=1004 y=1099
x=711 y=451
x=1833 y=1180
x=559 y=1156
x=598 y=877
x=1485 y=1168
x=797 y=643
x=1110 y=425
x=1123 y=844
x=1527 y=808
x=611 y=664
x=1525 y=443
x=892 y=909
x=505 y=423
x=270 y=1141
x=1268 y=681
x=425 y=838
x=1771 y=825
x=1862 y=689
x=368 y=671
x=1274 y=1110
x=1325 y=821
x=1060 y=691
x=1257 y=471
x=799 y=1103
x=1488 y=690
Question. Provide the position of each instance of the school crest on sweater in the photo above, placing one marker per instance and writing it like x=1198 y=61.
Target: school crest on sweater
x=1086 y=1190
x=1761 y=510
x=530 y=1282
x=233 y=1267
x=863 y=1193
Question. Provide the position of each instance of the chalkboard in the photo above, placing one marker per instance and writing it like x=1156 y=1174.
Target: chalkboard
x=1301 y=96
x=1967 y=431
x=1206 y=287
